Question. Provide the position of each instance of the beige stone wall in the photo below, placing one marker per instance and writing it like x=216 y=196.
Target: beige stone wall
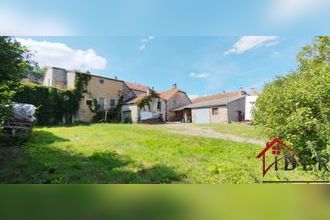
x=222 y=115
x=48 y=78
x=178 y=100
x=110 y=89
x=71 y=77
x=55 y=77
x=133 y=110
x=234 y=107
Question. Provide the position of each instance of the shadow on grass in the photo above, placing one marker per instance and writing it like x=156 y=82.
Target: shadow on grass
x=40 y=161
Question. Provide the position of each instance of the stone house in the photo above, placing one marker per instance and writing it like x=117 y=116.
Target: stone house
x=105 y=90
x=155 y=110
x=159 y=107
x=220 y=108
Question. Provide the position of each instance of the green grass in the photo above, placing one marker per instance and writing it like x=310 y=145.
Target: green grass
x=237 y=129
x=107 y=153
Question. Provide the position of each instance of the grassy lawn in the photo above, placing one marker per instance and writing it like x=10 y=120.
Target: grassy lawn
x=106 y=153
x=237 y=129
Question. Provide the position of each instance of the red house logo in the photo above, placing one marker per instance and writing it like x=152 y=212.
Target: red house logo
x=276 y=146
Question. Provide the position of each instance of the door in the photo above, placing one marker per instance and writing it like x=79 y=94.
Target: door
x=239 y=116
x=101 y=103
x=202 y=115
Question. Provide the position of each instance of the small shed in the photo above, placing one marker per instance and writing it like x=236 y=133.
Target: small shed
x=240 y=109
x=233 y=109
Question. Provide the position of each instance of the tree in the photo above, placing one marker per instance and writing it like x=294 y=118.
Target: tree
x=296 y=107
x=36 y=74
x=15 y=62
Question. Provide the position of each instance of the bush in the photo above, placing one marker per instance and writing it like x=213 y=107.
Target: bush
x=14 y=63
x=296 y=107
x=53 y=104
x=7 y=140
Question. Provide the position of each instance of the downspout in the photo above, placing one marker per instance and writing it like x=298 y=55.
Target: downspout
x=165 y=111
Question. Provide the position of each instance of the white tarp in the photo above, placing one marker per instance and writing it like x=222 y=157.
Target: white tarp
x=24 y=112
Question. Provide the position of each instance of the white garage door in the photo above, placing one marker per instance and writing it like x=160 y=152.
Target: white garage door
x=202 y=115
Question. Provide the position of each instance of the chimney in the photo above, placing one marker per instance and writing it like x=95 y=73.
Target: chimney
x=149 y=91
x=174 y=86
x=115 y=77
x=243 y=92
x=253 y=91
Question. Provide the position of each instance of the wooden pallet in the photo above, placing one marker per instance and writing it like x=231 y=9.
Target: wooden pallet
x=13 y=126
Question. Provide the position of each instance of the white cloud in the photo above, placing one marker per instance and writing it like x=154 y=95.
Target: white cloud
x=199 y=75
x=145 y=41
x=246 y=43
x=287 y=11
x=60 y=55
x=142 y=47
x=17 y=22
x=193 y=96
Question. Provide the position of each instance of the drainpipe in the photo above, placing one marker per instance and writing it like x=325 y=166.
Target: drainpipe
x=165 y=111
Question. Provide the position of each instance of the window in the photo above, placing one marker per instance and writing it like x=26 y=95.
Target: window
x=159 y=104
x=101 y=81
x=276 y=150
x=89 y=102
x=112 y=103
x=101 y=103
x=214 y=111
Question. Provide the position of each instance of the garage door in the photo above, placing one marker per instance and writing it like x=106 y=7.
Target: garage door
x=202 y=115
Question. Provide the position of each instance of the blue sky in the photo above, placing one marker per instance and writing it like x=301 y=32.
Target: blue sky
x=165 y=17
x=200 y=45
x=199 y=65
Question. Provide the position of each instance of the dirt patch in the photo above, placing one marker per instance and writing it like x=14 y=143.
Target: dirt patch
x=190 y=129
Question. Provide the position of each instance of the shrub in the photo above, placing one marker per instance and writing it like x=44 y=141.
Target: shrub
x=53 y=104
x=296 y=107
x=14 y=63
x=7 y=140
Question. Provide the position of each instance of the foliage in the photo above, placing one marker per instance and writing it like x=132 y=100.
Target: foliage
x=296 y=107
x=108 y=153
x=15 y=61
x=94 y=106
x=145 y=101
x=53 y=104
x=36 y=74
x=112 y=115
x=7 y=140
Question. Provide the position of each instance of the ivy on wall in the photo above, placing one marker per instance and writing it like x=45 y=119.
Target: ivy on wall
x=54 y=104
x=112 y=115
x=145 y=101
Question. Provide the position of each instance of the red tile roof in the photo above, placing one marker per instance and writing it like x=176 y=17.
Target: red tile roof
x=217 y=96
x=166 y=95
x=134 y=86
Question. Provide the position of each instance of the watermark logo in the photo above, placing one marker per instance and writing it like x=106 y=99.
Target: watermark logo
x=281 y=151
x=275 y=147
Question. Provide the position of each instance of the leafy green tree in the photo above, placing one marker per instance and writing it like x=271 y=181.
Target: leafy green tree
x=36 y=74
x=296 y=107
x=15 y=62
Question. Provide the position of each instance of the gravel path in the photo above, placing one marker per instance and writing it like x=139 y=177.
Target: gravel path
x=190 y=129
